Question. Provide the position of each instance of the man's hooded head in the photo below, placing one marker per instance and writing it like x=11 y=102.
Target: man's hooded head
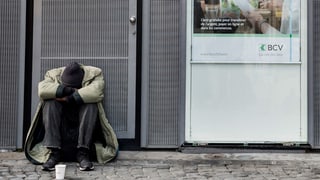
x=72 y=75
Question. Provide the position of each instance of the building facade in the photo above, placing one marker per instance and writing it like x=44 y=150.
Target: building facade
x=176 y=73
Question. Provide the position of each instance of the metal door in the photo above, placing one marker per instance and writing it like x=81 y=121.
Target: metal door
x=101 y=33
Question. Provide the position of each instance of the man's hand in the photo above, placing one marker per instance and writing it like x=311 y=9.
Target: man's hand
x=63 y=99
x=68 y=91
x=254 y=18
x=270 y=4
x=266 y=4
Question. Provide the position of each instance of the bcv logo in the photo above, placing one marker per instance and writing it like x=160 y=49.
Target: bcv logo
x=271 y=47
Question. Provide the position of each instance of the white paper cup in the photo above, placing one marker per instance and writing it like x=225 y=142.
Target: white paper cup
x=60 y=171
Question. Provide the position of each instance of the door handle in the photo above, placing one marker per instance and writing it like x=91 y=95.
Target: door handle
x=133 y=19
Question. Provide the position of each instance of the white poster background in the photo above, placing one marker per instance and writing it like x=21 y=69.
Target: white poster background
x=249 y=49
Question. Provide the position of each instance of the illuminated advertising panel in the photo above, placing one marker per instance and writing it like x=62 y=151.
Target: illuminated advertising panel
x=246 y=30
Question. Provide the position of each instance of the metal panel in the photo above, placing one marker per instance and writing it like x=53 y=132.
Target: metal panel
x=12 y=14
x=162 y=89
x=92 y=32
x=83 y=28
x=314 y=74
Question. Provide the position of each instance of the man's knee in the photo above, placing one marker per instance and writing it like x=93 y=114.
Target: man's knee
x=88 y=112
x=51 y=104
x=91 y=107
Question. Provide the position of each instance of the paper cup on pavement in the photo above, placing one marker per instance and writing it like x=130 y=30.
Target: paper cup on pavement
x=60 y=171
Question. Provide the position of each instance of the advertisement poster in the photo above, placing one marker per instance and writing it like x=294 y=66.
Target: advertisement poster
x=246 y=30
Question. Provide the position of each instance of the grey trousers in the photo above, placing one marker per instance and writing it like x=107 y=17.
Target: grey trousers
x=59 y=118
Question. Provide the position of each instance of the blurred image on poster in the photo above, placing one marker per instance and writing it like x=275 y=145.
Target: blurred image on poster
x=198 y=15
x=211 y=8
x=229 y=9
x=288 y=12
x=247 y=16
x=215 y=16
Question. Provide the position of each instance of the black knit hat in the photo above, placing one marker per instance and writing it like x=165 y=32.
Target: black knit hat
x=72 y=75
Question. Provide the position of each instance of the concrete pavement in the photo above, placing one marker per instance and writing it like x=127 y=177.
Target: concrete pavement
x=168 y=165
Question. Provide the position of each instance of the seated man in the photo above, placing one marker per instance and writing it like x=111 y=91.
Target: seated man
x=71 y=99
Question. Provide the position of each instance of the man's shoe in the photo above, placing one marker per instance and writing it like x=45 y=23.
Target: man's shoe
x=52 y=161
x=84 y=162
